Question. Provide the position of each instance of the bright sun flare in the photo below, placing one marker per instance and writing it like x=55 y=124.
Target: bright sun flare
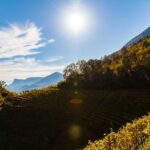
x=76 y=21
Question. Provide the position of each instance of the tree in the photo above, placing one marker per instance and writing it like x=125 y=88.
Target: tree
x=3 y=91
x=127 y=68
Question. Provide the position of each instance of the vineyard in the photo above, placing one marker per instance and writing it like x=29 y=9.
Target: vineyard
x=53 y=118
x=134 y=136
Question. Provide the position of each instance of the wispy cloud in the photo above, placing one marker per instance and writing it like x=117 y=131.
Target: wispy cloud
x=54 y=59
x=16 y=43
x=51 y=40
x=21 y=40
x=25 y=67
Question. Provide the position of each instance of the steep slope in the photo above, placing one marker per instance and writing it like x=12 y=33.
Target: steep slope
x=135 y=135
x=126 y=68
x=139 y=37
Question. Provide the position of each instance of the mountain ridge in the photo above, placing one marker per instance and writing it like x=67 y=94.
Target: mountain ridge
x=30 y=83
x=139 y=37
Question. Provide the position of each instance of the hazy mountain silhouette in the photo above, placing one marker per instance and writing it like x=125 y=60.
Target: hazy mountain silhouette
x=142 y=35
x=19 y=85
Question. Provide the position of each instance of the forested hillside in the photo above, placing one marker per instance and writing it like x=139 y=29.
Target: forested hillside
x=127 y=68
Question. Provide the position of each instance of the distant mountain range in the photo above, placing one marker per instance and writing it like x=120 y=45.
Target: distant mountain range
x=19 y=85
x=142 y=35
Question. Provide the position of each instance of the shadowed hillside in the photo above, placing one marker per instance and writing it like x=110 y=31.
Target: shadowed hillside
x=66 y=119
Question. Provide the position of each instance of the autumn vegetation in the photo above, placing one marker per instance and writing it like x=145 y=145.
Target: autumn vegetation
x=128 y=68
x=98 y=97
x=135 y=135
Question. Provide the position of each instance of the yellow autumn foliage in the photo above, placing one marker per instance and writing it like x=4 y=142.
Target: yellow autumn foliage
x=133 y=136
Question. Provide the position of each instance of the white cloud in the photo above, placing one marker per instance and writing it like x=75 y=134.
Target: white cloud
x=51 y=40
x=54 y=59
x=21 y=40
x=25 y=67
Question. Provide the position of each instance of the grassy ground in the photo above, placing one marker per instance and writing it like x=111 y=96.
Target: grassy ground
x=66 y=119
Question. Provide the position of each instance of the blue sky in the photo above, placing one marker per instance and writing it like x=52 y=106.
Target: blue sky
x=35 y=43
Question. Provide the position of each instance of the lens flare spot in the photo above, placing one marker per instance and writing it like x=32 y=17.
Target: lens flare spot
x=76 y=92
x=75 y=83
x=76 y=101
x=75 y=132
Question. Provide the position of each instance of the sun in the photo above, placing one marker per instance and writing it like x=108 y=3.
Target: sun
x=76 y=20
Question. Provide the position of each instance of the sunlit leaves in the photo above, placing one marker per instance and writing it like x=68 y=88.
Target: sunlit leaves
x=135 y=135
